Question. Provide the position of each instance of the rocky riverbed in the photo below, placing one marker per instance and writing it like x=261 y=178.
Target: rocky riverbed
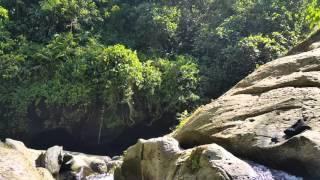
x=19 y=162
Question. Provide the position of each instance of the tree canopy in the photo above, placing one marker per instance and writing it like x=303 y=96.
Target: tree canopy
x=120 y=62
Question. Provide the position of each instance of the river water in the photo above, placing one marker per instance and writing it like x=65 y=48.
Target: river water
x=100 y=177
x=264 y=173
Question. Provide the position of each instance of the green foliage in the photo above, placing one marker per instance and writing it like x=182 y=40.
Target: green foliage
x=183 y=119
x=179 y=82
x=70 y=14
x=314 y=14
x=120 y=62
x=3 y=13
x=194 y=160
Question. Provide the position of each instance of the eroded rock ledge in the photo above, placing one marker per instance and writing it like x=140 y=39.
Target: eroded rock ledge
x=250 y=119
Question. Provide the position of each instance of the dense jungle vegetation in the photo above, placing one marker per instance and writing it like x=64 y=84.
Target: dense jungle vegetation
x=115 y=63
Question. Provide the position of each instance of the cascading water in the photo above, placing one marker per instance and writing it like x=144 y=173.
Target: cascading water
x=100 y=177
x=265 y=173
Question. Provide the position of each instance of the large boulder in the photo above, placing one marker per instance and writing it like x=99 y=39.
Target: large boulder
x=19 y=146
x=79 y=165
x=17 y=163
x=162 y=159
x=251 y=119
x=52 y=159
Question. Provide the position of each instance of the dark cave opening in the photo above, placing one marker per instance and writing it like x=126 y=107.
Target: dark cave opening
x=49 y=138
x=46 y=139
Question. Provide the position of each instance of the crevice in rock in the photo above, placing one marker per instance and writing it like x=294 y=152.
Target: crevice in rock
x=292 y=166
x=257 y=91
x=175 y=172
x=193 y=139
x=266 y=111
x=312 y=69
x=142 y=151
x=222 y=128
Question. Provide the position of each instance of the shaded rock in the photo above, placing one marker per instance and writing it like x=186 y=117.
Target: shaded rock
x=251 y=118
x=296 y=128
x=113 y=165
x=312 y=42
x=161 y=158
x=78 y=165
x=45 y=173
x=315 y=45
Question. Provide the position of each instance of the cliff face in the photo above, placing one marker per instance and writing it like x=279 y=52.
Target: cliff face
x=271 y=117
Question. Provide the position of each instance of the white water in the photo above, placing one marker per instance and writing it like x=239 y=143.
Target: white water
x=265 y=173
x=100 y=177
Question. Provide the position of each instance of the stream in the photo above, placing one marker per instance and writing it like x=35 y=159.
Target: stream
x=264 y=173
x=100 y=177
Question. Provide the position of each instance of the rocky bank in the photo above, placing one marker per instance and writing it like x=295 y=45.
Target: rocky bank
x=17 y=162
x=270 y=117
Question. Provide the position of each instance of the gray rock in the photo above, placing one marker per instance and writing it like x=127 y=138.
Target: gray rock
x=80 y=166
x=107 y=159
x=113 y=165
x=161 y=158
x=52 y=159
x=251 y=118
x=114 y=158
x=31 y=154
x=16 y=164
x=315 y=45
